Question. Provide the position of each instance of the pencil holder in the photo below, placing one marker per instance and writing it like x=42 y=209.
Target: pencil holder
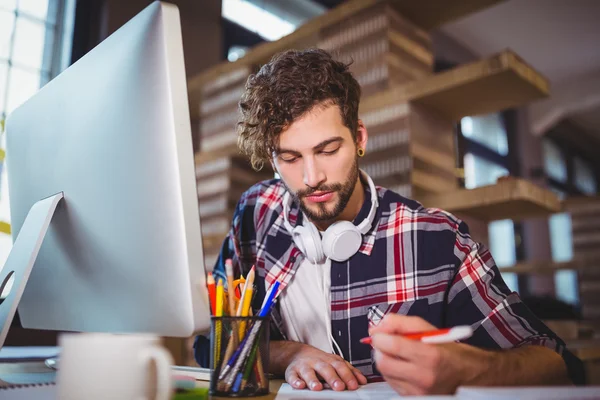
x=239 y=356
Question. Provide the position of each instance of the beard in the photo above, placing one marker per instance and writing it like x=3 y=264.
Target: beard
x=343 y=189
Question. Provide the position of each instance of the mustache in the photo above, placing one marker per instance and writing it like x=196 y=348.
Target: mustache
x=322 y=188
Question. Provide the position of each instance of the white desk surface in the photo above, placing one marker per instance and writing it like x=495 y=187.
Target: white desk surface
x=374 y=392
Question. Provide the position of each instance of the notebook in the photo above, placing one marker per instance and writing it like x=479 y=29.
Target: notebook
x=27 y=353
x=29 y=392
x=29 y=378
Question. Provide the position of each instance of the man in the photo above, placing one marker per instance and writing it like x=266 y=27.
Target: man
x=354 y=260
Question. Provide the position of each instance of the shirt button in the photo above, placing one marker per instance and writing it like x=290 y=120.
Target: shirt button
x=340 y=333
x=293 y=259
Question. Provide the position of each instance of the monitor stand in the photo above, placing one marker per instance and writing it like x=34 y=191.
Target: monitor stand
x=22 y=257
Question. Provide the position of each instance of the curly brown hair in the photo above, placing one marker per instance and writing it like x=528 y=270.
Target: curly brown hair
x=285 y=89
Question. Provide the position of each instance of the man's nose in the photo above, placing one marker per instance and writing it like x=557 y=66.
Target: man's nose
x=313 y=174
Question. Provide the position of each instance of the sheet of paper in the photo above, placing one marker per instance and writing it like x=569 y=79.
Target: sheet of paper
x=30 y=393
x=27 y=353
x=377 y=391
x=529 y=393
x=371 y=391
x=286 y=392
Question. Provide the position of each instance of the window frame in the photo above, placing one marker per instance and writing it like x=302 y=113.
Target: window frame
x=569 y=154
x=52 y=63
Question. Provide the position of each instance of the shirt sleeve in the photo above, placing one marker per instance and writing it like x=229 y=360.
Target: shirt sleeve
x=479 y=297
x=240 y=243
x=240 y=246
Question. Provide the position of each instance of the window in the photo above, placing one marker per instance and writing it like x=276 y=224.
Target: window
x=502 y=247
x=555 y=163
x=29 y=37
x=487 y=130
x=585 y=180
x=247 y=23
x=256 y=19
x=484 y=146
x=567 y=174
x=561 y=242
x=35 y=38
x=480 y=172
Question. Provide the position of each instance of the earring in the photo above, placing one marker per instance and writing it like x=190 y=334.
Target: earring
x=360 y=152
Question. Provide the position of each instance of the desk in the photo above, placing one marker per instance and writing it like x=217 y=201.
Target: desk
x=38 y=367
x=588 y=351
x=274 y=386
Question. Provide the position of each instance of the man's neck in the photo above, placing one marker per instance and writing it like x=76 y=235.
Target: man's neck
x=352 y=208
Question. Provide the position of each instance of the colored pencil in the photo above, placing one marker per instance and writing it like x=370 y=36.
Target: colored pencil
x=230 y=289
x=212 y=293
x=218 y=313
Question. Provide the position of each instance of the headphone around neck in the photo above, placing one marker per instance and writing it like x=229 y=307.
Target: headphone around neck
x=340 y=241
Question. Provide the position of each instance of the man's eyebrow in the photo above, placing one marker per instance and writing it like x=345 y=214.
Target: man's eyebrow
x=328 y=141
x=319 y=146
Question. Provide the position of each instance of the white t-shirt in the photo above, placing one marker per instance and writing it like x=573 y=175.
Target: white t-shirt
x=305 y=305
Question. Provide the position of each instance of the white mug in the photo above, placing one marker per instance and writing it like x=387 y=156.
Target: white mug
x=109 y=366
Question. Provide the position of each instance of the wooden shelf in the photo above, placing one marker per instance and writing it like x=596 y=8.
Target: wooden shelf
x=260 y=54
x=434 y=157
x=493 y=84
x=510 y=198
x=581 y=204
x=431 y=183
x=427 y=14
x=213 y=242
x=585 y=350
x=550 y=267
x=227 y=151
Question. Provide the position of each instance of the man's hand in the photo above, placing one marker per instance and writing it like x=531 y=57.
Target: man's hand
x=304 y=364
x=415 y=368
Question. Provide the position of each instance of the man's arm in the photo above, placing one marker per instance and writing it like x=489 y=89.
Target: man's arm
x=509 y=346
x=415 y=368
x=479 y=297
x=527 y=365
x=302 y=365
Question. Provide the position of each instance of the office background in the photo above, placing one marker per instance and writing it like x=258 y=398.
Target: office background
x=552 y=141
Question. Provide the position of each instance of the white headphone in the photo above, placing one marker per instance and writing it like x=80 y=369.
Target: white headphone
x=340 y=241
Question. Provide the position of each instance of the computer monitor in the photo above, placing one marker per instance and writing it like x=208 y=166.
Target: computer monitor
x=123 y=250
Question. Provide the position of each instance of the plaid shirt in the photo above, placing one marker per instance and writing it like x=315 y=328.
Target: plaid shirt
x=413 y=261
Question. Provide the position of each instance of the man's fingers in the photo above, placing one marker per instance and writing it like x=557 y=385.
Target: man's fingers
x=359 y=375
x=396 y=323
x=399 y=347
x=400 y=370
x=362 y=380
x=291 y=377
x=405 y=388
x=346 y=373
x=330 y=375
x=310 y=377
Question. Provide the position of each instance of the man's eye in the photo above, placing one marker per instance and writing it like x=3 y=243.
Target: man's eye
x=330 y=152
x=288 y=159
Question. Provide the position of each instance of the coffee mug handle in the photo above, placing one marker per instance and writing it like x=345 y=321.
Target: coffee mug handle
x=163 y=361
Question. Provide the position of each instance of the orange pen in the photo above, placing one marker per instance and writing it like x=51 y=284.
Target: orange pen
x=446 y=335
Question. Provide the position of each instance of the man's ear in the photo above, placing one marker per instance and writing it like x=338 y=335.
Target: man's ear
x=277 y=174
x=361 y=135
